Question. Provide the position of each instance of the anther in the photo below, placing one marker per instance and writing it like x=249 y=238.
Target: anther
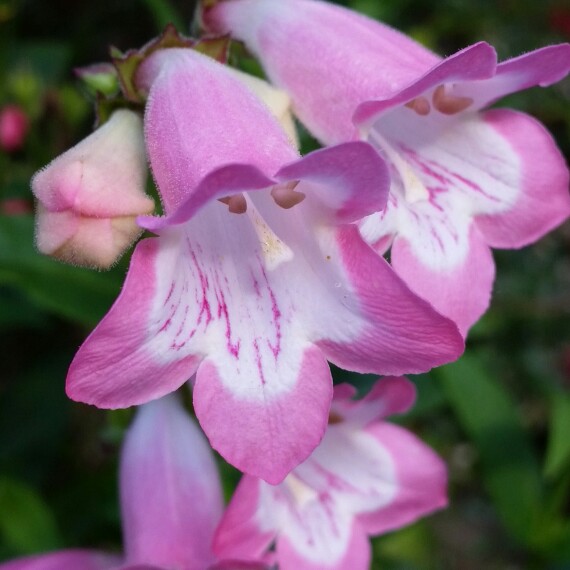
x=335 y=418
x=449 y=104
x=286 y=196
x=420 y=105
x=236 y=203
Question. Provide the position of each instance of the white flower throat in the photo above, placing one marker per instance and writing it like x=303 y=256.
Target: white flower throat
x=444 y=102
x=274 y=250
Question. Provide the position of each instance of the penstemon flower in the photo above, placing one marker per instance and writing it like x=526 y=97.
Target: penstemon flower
x=464 y=179
x=90 y=196
x=257 y=277
x=366 y=477
x=171 y=500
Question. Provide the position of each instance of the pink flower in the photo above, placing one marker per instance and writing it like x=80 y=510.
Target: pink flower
x=464 y=179
x=90 y=196
x=14 y=126
x=256 y=278
x=366 y=477
x=170 y=496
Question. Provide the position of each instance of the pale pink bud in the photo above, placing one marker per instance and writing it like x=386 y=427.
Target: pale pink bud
x=13 y=128
x=90 y=196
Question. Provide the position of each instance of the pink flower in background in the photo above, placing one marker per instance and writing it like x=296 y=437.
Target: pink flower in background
x=171 y=500
x=14 y=127
x=464 y=179
x=256 y=278
x=90 y=196
x=366 y=477
x=170 y=490
x=16 y=206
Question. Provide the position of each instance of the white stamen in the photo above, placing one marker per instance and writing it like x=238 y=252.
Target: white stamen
x=414 y=188
x=301 y=492
x=275 y=251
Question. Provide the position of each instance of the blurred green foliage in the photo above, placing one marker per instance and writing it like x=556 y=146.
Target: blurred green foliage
x=500 y=416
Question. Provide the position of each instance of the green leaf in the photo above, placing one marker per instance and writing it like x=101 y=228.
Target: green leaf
x=15 y=311
x=79 y=294
x=558 y=451
x=510 y=468
x=26 y=522
x=34 y=411
x=409 y=547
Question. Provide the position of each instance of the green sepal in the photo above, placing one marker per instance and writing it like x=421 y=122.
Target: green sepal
x=127 y=63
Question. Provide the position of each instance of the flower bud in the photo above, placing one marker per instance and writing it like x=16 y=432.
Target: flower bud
x=90 y=196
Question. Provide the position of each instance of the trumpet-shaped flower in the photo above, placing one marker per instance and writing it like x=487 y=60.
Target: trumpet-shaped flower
x=366 y=477
x=256 y=278
x=463 y=178
x=171 y=500
x=90 y=196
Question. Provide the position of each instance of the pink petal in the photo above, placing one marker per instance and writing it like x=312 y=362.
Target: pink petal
x=349 y=180
x=399 y=332
x=475 y=62
x=461 y=293
x=238 y=565
x=121 y=363
x=64 y=560
x=543 y=201
x=170 y=491
x=420 y=480
x=389 y=395
x=277 y=420
x=248 y=526
x=543 y=67
x=140 y=567
x=347 y=51
x=187 y=136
